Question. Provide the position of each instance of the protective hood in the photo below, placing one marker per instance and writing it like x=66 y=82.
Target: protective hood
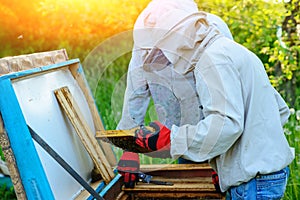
x=177 y=28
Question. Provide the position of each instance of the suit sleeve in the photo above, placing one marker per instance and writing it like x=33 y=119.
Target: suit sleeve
x=220 y=93
x=282 y=107
x=137 y=94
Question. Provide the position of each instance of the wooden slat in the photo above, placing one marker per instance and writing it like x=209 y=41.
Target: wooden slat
x=85 y=194
x=72 y=110
x=95 y=114
x=183 y=188
x=114 y=133
x=177 y=187
x=125 y=139
x=177 y=196
x=102 y=134
x=122 y=196
x=119 y=133
x=178 y=170
x=11 y=163
x=1 y=126
x=175 y=167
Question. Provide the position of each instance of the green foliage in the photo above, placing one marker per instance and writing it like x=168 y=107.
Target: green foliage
x=114 y=73
x=252 y=23
x=284 y=55
x=76 y=25
x=7 y=194
x=292 y=131
x=1 y=155
x=271 y=30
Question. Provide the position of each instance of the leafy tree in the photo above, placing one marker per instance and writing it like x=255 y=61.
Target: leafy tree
x=272 y=31
x=284 y=55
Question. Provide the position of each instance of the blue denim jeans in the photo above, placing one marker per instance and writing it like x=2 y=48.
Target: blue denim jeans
x=262 y=187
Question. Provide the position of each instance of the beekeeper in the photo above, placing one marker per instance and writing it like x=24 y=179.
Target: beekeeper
x=229 y=112
x=166 y=86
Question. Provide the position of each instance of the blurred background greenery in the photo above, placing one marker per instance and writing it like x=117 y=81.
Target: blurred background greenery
x=271 y=29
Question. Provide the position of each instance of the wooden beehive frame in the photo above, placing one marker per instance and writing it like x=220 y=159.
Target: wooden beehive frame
x=86 y=135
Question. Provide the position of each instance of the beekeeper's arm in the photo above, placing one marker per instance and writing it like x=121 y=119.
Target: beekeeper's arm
x=220 y=92
x=137 y=94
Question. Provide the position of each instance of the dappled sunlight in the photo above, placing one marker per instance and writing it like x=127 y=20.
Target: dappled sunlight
x=66 y=23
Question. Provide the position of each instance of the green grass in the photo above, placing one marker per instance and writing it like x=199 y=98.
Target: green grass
x=7 y=194
x=292 y=131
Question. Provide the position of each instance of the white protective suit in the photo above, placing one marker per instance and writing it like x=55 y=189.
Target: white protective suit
x=142 y=84
x=232 y=116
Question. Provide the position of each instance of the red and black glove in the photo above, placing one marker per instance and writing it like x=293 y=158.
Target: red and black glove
x=215 y=181
x=129 y=167
x=157 y=140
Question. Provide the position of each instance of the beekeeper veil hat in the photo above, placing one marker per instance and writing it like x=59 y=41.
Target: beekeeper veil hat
x=154 y=20
x=176 y=27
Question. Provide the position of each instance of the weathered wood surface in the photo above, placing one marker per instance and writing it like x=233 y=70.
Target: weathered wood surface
x=73 y=112
x=125 y=139
x=115 y=133
x=29 y=61
x=11 y=163
x=191 y=184
x=178 y=171
x=1 y=126
x=190 y=181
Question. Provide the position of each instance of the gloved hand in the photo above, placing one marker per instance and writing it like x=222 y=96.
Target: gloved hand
x=157 y=140
x=215 y=180
x=129 y=167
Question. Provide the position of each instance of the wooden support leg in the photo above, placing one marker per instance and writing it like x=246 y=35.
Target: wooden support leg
x=72 y=111
x=11 y=163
